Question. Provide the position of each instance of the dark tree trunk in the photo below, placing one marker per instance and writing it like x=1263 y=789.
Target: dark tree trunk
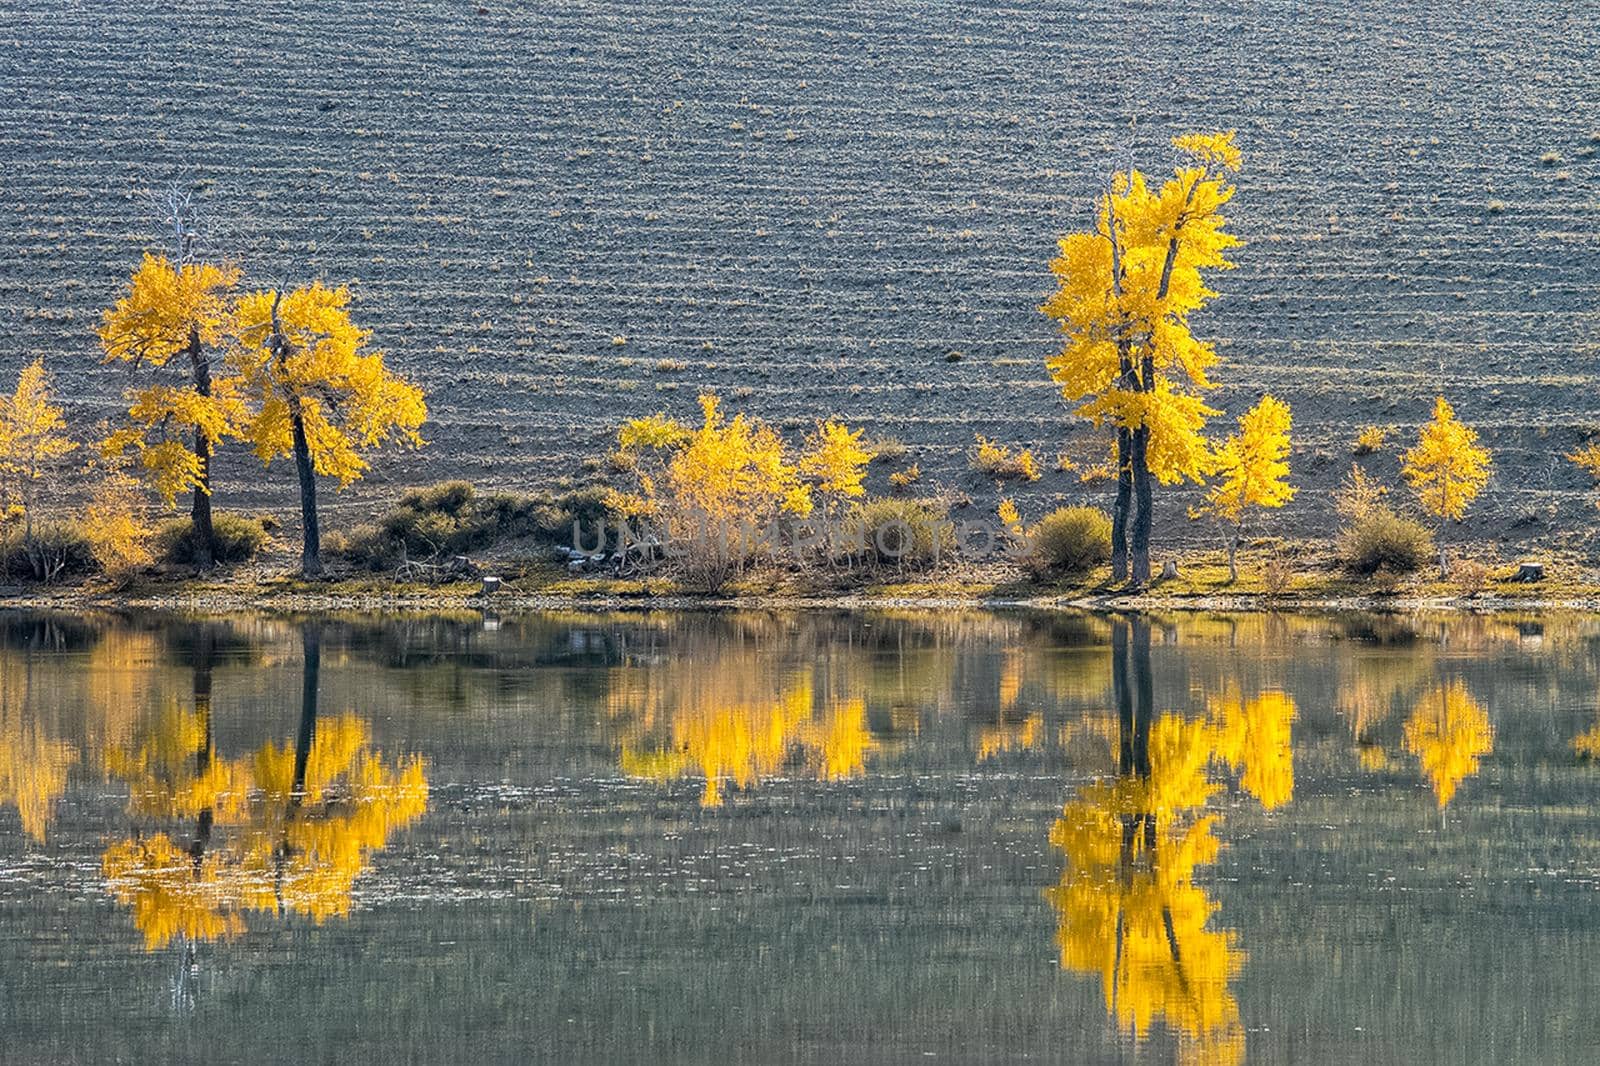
x=205 y=536
x=311 y=540
x=1119 y=513
x=1139 y=535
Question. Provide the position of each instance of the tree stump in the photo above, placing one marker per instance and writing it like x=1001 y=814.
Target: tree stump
x=1530 y=572
x=491 y=585
x=1169 y=570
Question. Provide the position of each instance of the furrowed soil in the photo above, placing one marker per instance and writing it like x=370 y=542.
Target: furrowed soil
x=559 y=215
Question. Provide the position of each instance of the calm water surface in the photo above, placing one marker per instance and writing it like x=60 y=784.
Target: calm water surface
x=799 y=838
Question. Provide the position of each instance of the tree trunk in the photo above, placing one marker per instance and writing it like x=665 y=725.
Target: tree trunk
x=1233 y=558
x=1444 y=562
x=1139 y=537
x=311 y=541
x=1119 y=513
x=205 y=536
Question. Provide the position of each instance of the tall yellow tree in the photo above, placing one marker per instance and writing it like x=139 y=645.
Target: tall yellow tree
x=174 y=313
x=1251 y=469
x=33 y=440
x=318 y=392
x=1125 y=291
x=1447 y=468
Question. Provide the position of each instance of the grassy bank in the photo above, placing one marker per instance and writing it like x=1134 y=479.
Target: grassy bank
x=1315 y=582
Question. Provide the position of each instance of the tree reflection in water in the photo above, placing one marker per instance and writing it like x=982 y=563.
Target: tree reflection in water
x=1127 y=904
x=285 y=829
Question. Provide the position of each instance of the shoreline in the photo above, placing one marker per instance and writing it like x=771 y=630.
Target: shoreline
x=404 y=600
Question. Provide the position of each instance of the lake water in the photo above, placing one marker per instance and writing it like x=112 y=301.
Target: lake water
x=799 y=838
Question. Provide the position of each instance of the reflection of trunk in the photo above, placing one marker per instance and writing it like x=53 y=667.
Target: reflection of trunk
x=1133 y=688
x=310 y=677
x=204 y=652
x=311 y=639
x=200 y=511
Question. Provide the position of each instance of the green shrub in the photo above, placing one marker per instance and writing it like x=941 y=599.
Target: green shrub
x=1380 y=540
x=898 y=532
x=1071 y=540
x=454 y=518
x=54 y=552
x=238 y=539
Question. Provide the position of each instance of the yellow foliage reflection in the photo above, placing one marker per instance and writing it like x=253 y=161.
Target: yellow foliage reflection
x=1448 y=732
x=287 y=829
x=33 y=772
x=1128 y=908
x=1255 y=737
x=746 y=737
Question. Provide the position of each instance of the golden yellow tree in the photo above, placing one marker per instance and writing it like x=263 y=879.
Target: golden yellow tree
x=708 y=487
x=175 y=312
x=1251 y=469
x=115 y=523
x=1448 y=732
x=1125 y=291
x=837 y=461
x=317 y=392
x=33 y=440
x=1447 y=468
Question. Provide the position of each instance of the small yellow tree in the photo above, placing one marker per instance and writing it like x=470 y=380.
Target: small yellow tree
x=1252 y=473
x=33 y=440
x=1447 y=468
x=115 y=522
x=175 y=312
x=703 y=486
x=836 y=462
x=317 y=392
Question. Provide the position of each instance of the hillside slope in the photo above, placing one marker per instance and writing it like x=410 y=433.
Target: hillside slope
x=566 y=213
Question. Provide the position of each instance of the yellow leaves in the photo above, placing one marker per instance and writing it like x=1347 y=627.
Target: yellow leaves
x=114 y=522
x=1587 y=459
x=725 y=472
x=1448 y=732
x=1252 y=464
x=33 y=434
x=302 y=359
x=999 y=461
x=1446 y=467
x=166 y=310
x=1124 y=294
x=1009 y=516
x=655 y=432
x=836 y=460
x=164 y=455
x=1216 y=149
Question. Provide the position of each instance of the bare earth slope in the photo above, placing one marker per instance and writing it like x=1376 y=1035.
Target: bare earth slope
x=809 y=207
